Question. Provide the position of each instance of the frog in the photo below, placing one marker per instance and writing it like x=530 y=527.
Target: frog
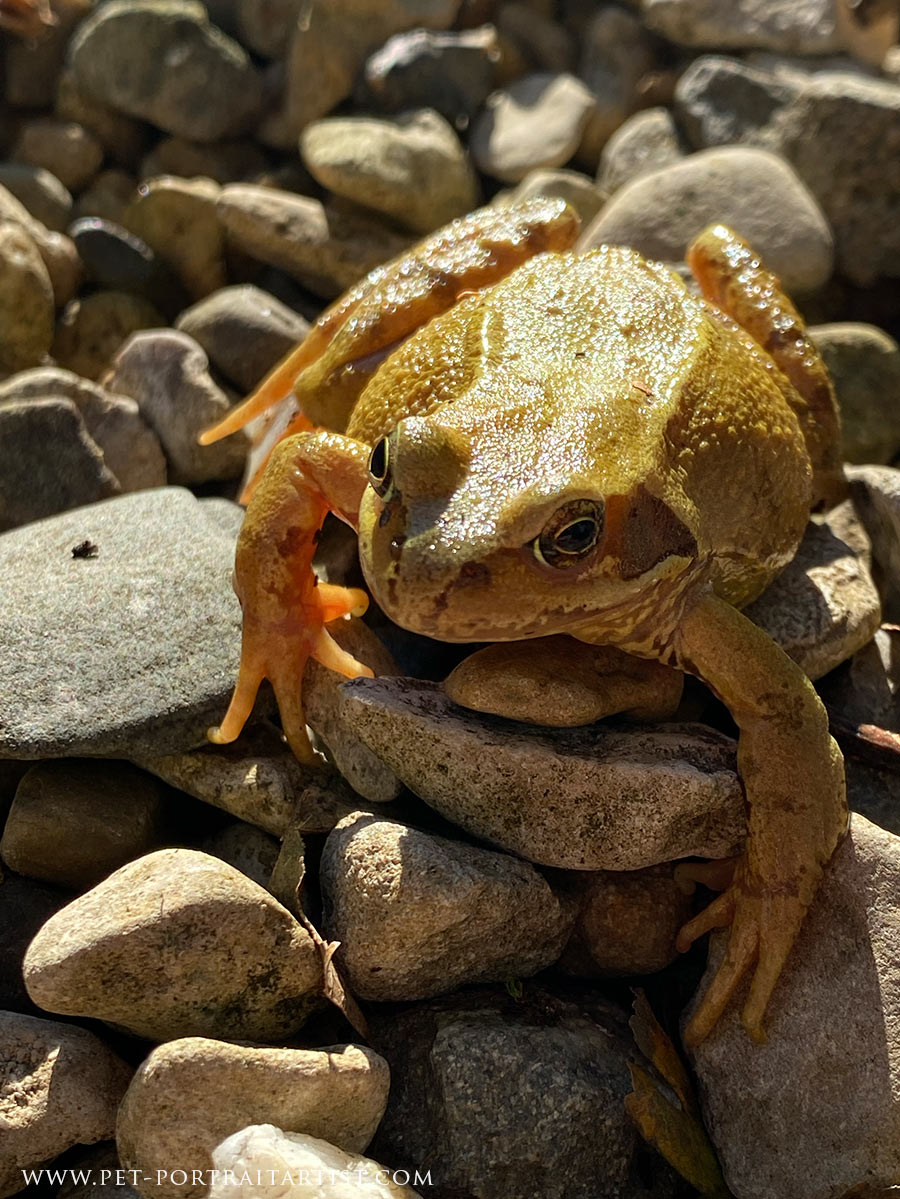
x=534 y=441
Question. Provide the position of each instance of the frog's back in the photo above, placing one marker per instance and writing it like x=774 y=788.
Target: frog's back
x=602 y=368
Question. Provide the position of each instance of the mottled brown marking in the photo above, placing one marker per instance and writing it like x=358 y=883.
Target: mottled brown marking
x=642 y=531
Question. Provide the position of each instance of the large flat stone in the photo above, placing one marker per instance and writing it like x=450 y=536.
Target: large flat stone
x=119 y=630
x=595 y=798
x=815 y=1112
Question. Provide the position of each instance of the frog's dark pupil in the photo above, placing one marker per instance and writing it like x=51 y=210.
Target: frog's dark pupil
x=380 y=468
x=577 y=537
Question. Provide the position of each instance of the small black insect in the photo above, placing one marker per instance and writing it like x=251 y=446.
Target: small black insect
x=85 y=549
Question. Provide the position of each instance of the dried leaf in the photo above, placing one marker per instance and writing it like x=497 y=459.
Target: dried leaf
x=333 y=987
x=286 y=880
x=664 y=1108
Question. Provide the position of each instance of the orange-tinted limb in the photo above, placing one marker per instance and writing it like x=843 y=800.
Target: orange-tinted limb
x=285 y=608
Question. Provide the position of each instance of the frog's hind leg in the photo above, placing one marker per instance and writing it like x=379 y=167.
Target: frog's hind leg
x=285 y=609
x=732 y=277
x=329 y=370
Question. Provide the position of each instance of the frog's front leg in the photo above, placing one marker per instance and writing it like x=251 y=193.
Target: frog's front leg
x=793 y=775
x=285 y=608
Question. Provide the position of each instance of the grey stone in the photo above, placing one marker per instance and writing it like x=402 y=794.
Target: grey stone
x=65 y=148
x=806 y=26
x=244 y=331
x=823 y=606
x=246 y=848
x=753 y=191
x=864 y=364
x=581 y=799
x=48 y=462
x=59 y=1087
x=645 y=142
x=24 y=906
x=151 y=638
x=260 y=781
x=73 y=822
x=178 y=944
x=576 y=189
x=451 y=72
x=122 y=137
x=107 y=196
x=328 y=49
x=92 y=328
x=178 y=219
x=266 y=26
x=627 y=922
x=724 y=100
x=167 y=373
x=192 y=1093
x=325 y=713
x=327 y=247
x=875 y=491
x=412 y=168
x=26 y=300
x=538 y=121
x=130 y=448
x=41 y=192
x=866 y=690
x=510 y=1101
x=209 y=88
x=116 y=259
x=815 y=1111
x=223 y=162
x=417 y=915
x=57 y=253
x=617 y=54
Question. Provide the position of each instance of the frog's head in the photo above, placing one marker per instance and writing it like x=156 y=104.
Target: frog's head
x=515 y=521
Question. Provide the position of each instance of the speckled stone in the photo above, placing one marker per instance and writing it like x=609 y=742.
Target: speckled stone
x=178 y=944
x=804 y=26
x=823 y=606
x=59 y=1087
x=152 y=629
x=815 y=1112
x=586 y=799
x=645 y=142
x=511 y=1100
x=192 y=1093
x=246 y=848
x=418 y=915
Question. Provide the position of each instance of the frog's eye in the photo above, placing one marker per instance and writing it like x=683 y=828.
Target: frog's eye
x=380 y=474
x=570 y=534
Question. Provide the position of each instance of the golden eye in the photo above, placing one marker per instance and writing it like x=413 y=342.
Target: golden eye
x=380 y=474
x=570 y=534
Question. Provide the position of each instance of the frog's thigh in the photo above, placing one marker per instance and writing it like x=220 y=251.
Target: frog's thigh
x=732 y=277
x=285 y=609
x=793 y=776
x=559 y=681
